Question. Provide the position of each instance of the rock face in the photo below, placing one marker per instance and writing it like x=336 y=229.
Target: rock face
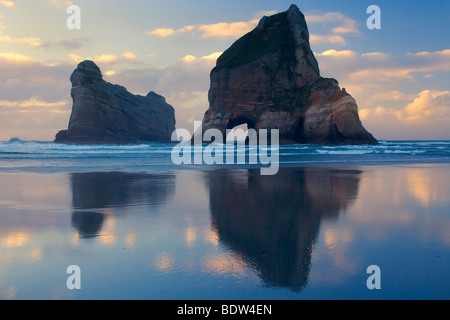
x=106 y=113
x=270 y=79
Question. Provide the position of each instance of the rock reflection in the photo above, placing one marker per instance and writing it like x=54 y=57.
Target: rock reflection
x=93 y=191
x=88 y=224
x=110 y=189
x=273 y=221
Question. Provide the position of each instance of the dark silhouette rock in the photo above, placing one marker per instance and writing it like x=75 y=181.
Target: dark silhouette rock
x=270 y=79
x=272 y=222
x=106 y=113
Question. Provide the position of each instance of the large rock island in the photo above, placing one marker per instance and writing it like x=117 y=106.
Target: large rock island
x=270 y=79
x=106 y=113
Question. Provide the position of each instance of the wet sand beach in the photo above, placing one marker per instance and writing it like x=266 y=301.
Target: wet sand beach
x=227 y=233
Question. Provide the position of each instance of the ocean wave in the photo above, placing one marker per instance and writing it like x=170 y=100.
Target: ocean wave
x=336 y=152
x=20 y=154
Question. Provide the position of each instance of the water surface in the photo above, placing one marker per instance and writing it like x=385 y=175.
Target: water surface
x=221 y=233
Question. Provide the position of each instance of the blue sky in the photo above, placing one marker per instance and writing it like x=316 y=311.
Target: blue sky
x=399 y=75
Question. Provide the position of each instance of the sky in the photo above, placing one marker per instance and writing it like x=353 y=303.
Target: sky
x=399 y=74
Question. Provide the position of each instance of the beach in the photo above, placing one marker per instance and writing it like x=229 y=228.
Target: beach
x=202 y=232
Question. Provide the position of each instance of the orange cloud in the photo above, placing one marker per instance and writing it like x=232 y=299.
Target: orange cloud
x=218 y=30
x=7 y=3
x=129 y=55
x=427 y=116
x=33 y=42
x=188 y=58
x=428 y=104
x=330 y=38
x=166 y=32
x=341 y=25
x=110 y=73
x=338 y=53
x=60 y=3
x=161 y=32
x=106 y=58
x=16 y=57
x=225 y=29
x=210 y=57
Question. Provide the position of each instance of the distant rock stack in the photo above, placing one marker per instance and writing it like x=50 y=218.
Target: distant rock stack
x=270 y=79
x=104 y=113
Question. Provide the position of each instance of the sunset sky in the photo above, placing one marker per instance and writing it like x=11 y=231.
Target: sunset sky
x=399 y=75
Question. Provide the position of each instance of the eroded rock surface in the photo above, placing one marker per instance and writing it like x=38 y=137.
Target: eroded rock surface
x=107 y=113
x=270 y=79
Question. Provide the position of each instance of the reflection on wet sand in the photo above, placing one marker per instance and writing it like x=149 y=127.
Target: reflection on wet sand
x=93 y=191
x=229 y=234
x=272 y=222
x=89 y=224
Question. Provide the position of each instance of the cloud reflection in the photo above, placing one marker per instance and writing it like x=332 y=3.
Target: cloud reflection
x=94 y=194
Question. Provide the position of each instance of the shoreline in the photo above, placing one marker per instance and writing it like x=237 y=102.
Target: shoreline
x=171 y=167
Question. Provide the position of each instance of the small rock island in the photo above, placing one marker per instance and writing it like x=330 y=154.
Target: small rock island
x=270 y=79
x=105 y=113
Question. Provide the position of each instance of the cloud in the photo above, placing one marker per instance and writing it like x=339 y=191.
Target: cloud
x=32 y=104
x=161 y=32
x=429 y=104
x=324 y=18
x=211 y=57
x=336 y=24
x=188 y=58
x=15 y=58
x=225 y=29
x=37 y=123
x=377 y=68
x=185 y=84
x=60 y=3
x=396 y=94
x=263 y=13
x=431 y=60
x=66 y=44
x=74 y=58
x=37 y=101
x=337 y=53
x=129 y=56
x=31 y=41
x=344 y=23
x=427 y=116
x=110 y=73
x=7 y=3
x=215 y=30
x=389 y=96
x=166 y=32
x=105 y=61
x=35 y=97
x=327 y=39
x=375 y=55
x=105 y=58
x=390 y=69
x=23 y=78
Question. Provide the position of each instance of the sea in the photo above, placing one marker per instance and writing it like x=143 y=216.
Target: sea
x=50 y=156
x=94 y=222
